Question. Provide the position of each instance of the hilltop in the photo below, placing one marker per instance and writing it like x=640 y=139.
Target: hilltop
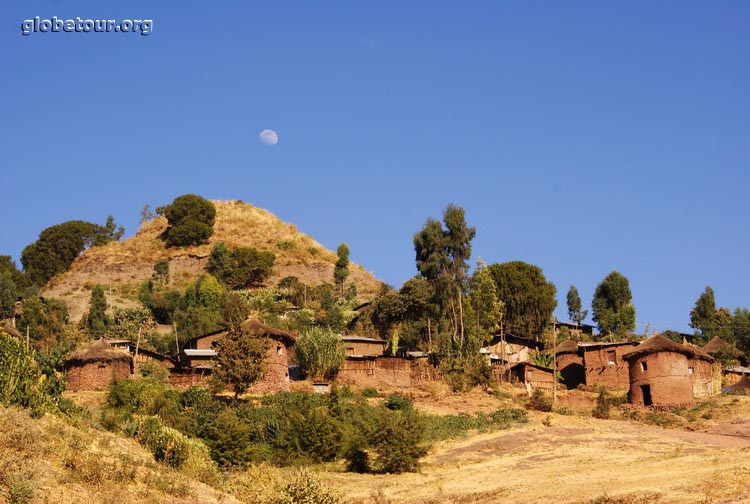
x=123 y=265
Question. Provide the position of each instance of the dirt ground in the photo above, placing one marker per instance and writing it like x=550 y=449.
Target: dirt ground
x=576 y=459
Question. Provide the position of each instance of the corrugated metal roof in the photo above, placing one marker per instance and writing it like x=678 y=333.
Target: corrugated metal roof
x=200 y=353
x=362 y=339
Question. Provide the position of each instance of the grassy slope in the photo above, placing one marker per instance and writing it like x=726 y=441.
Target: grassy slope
x=125 y=264
x=48 y=460
x=553 y=458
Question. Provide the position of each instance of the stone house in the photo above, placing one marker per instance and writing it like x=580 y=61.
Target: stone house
x=532 y=375
x=95 y=366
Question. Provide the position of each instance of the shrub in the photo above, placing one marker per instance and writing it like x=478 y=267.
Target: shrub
x=191 y=219
x=305 y=488
x=319 y=353
x=539 y=401
x=398 y=441
x=286 y=245
x=369 y=392
x=398 y=403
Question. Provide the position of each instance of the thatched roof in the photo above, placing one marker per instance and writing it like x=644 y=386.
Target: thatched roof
x=10 y=330
x=718 y=345
x=99 y=351
x=257 y=329
x=567 y=347
x=658 y=343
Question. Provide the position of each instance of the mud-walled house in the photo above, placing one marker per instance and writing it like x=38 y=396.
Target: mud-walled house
x=95 y=366
x=662 y=372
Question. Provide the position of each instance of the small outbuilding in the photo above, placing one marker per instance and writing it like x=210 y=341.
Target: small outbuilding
x=661 y=373
x=95 y=367
x=532 y=375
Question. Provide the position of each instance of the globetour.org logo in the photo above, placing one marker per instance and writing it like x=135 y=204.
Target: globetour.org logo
x=80 y=25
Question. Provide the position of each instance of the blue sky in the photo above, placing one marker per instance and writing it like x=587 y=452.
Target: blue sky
x=578 y=136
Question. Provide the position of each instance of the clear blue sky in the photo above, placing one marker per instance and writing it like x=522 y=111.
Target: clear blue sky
x=579 y=136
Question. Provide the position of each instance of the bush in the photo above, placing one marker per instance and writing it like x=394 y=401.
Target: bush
x=369 y=392
x=539 y=401
x=304 y=488
x=398 y=441
x=604 y=403
x=191 y=219
x=398 y=403
x=319 y=353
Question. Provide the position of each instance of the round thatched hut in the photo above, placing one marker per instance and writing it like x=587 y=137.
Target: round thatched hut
x=95 y=366
x=661 y=372
x=570 y=364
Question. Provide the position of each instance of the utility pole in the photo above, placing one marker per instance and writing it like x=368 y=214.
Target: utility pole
x=554 y=364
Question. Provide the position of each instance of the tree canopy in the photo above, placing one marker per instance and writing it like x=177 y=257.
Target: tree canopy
x=442 y=256
x=575 y=311
x=191 y=220
x=528 y=297
x=59 y=245
x=612 y=306
x=240 y=268
x=341 y=269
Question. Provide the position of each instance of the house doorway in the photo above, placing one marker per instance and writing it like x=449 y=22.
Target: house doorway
x=646 y=393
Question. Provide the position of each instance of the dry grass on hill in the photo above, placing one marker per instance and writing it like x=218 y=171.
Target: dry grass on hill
x=553 y=458
x=125 y=264
x=575 y=459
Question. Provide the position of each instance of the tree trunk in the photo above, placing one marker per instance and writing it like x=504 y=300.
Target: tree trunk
x=461 y=311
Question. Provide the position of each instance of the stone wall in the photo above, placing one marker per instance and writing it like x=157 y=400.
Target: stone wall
x=95 y=375
x=276 y=378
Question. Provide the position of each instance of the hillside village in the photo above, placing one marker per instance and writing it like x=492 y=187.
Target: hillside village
x=221 y=305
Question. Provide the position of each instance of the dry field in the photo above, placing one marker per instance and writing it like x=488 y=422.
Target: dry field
x=124 y=265
x=574 y=459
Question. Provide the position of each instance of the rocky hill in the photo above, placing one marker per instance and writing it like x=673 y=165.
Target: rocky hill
x=122 y=266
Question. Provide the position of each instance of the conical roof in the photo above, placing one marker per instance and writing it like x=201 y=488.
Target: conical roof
x=658 y=343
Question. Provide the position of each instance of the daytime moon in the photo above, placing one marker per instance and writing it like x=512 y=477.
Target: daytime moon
x=269 y=137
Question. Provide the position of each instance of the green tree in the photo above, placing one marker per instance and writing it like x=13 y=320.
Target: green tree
x=251 y=267
x=741 y=328
x=528 y=297
x=161 y=272
x=703 y=316
x=575 y=311
x=21 y=382
x=8 y=295
x=441 y=257
x=243 y=267
x=488 y=310
x=241 y=359
x=109 y=232
x=190 y=220
x=398 y=440
x=341 y=269
x=59 y=245
x=612 y=306
x=319 y=353
x=46 y=321
x=97 y=320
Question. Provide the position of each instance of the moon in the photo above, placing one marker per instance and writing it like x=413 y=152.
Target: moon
x=269 y=137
